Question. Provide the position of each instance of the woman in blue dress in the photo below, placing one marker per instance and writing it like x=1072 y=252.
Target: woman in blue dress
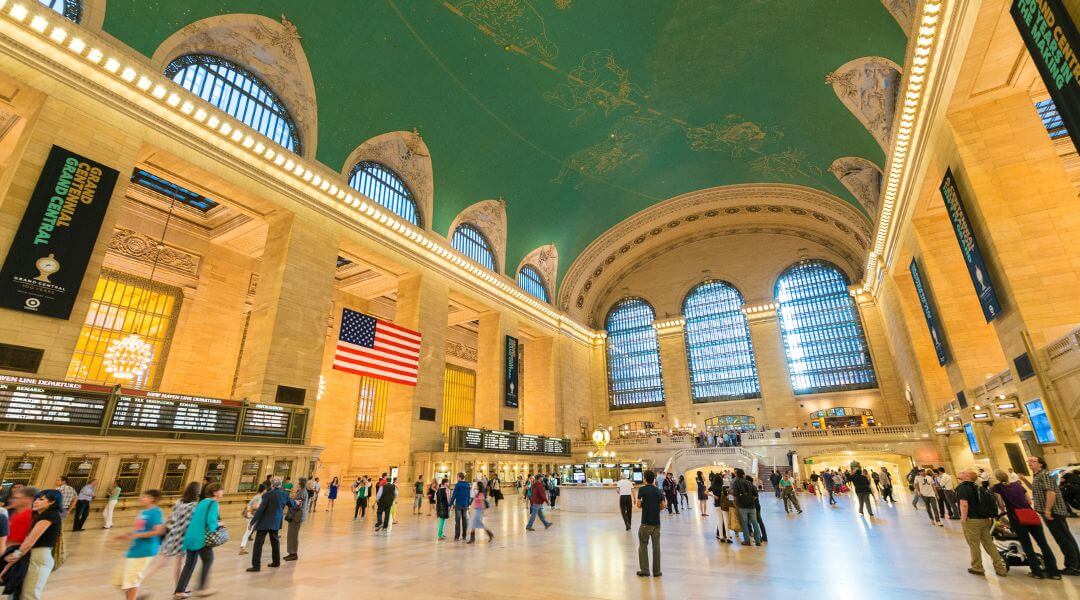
x=332 y=495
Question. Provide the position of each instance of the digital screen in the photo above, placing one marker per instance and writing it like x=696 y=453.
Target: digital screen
x=529 y=444
x=473 y=438
x=973 y=443
x=1040 y=422
x=28 y=403
x=499 y=441
x=266 y=420
x=508 y=442
x=555 y=446
x=145 y=413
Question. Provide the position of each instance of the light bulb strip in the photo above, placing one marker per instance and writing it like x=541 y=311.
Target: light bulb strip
x=319 y=182
x=925 y=31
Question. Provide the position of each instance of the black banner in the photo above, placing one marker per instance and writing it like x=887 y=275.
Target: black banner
x=928 y=313
x=1052 y=40
x=969 y=246
x=47 y=260
x=510 y=387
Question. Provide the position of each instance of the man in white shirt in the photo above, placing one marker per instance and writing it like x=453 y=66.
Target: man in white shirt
x=626 y=498
x=924 y=487
x=948 y=490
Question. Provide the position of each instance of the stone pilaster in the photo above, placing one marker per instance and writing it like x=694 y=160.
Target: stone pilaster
x=778 y=398
x=490 y=362
x=539 y=413
x=680 y=408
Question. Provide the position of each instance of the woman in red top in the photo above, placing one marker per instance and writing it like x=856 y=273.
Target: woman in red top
x=21 y=514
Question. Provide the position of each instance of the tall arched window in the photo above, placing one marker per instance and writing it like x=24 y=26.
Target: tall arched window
x=239 y=93
x=823 y=337
x=532 y=283
x=469 y=241
x=378 y=182
x=718 y=348
x=70 y=9
x=633 y=356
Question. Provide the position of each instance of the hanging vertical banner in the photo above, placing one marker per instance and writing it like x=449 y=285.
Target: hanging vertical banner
x=984 y=288
x=47 y=260
x=1052 y=40
x=929 y=314
x=510 y=387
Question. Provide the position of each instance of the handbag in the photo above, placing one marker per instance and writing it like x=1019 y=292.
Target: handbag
x=217 y=537
x=1027 y=517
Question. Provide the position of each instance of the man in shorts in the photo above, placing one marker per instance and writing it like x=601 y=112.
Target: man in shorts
x=145 y=542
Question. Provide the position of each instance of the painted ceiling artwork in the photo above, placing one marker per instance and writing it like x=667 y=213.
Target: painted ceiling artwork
x=579 y=113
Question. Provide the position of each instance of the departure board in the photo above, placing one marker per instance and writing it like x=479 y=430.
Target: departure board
x=506 y=442
x=265 y=419
x=26 y=400
x=162 y=415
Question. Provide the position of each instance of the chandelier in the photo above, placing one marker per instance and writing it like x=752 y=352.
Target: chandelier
x=128 y=358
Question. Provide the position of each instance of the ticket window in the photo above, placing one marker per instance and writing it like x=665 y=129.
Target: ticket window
x=80 y=471
x=215 y=471
x=283 y=469
x=23 y=470
x=175 y=476
x=130 y=476
x=250 y=477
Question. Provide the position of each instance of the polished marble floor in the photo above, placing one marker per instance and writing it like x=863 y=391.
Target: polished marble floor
x=823 y=553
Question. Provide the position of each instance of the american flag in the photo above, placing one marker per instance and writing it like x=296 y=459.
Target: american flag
x=372 y=347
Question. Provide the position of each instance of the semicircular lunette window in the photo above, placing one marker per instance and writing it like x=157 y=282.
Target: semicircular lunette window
x=719 y=353
x=71 y=9
x=532 y=283
x=378 y=182
x=237 y=92
x=633 y=356
x=469 y=241
x=823 y=336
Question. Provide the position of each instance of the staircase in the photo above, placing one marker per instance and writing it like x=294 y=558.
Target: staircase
x=764 y=476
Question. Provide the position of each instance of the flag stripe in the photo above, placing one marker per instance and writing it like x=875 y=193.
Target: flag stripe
x=378 y=364
x=375 y=348
x=412 y=357
x=376 y=374
x=374 y=356
x=395 y=337
x=414 y=335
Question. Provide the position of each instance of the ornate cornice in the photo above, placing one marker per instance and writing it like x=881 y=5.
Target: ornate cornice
x=459 y=350
x=136 y=246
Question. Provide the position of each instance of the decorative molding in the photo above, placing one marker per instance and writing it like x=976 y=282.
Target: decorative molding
x=134 y=245
x=253 y=284
x=489 y=216
x=903 y=11
x=863 y=179
x=544 y=259
x=267 y=48
x=8 y=119
x=459 y=350
x=868 y=87
x=406 y=154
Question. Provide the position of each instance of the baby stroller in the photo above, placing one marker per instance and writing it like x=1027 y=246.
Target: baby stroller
x=1008 y=545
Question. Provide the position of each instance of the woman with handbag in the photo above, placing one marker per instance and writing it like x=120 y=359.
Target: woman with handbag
x=172 y=547
x=202 y=535
x=1025 y=522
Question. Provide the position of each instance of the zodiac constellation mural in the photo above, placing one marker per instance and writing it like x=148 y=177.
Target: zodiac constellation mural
x=511 y=23
x=597 y=84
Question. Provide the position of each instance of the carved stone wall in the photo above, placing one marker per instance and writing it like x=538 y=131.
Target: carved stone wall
x=136 y=246
x=459 y=350
x=863 y=179
x=868 y=87
x=269 y=49
x=489 y=216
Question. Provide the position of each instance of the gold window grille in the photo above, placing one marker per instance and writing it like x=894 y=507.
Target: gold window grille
x=130 y=475
x=79 y=471
x=459 y=397
x=176 y=471
x=215 y=470
x=22 y=469
x=123 y=304
x=371 y=408
x=250 y=478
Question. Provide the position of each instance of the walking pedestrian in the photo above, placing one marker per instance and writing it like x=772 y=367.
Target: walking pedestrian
x=361 y=490
x=625 y=490
x=537 y=498
x=477 y=521
x=948 y=495
x=670 y=493
x=787 y=492
x=296 y=515
x=460 y=501
x=267 y=522
x=145 y=541
x=924 y=488
x=248 y=514
x=650 y=502
x=886 y=486
x=172 y=547
x=418 y=495
x=830 y=484
x=110 y=505
x=1050 y=503
x=314 y=488
x=681 y=488
x=45 y=533
x=862 y=491
x=82 y=504
x=204 y=520
x=442 y=506
x=774 y=479
x=1024 y=521
x=978 y=509
x=384 y=503
x=331 y=494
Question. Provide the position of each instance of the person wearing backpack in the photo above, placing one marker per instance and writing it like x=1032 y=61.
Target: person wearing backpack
x=744 y=494
x=978 y=509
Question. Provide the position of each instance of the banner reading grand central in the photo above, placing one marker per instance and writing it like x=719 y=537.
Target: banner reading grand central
x=969 y=247
x=1052 y=40
x=48 y=257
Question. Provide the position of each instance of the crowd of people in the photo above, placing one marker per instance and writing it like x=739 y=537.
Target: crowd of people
x=715 y=440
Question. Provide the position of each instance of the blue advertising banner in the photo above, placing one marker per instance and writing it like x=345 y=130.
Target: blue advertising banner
x=928 y=313
x=511 y=381
x=1053 y=42
x=984 y=288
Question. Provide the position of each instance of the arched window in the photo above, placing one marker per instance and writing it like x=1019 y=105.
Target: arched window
x=239 y=93
x=633 y=356
x=718 y=349
x=532 y=283
x=382 y=185
x=469 y=241
x=823 y=337
x=70 y=9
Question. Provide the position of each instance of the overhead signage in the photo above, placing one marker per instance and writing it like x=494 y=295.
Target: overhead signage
x=969 y=247
x=47 y=259
x=929 y=314
x=262 y=420
x=973 y=442
x=510 y=386
x=145 y=413
x=506 y=442
x=1052 y=40
x=29 y=403
x=1040 y=422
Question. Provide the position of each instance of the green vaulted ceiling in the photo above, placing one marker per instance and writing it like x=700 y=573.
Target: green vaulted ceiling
x=609 y=107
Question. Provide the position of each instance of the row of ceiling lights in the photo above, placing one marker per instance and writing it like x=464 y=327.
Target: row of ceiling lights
x=227 y=128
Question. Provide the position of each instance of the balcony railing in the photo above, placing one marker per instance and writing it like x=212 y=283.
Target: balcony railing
x=833 y=433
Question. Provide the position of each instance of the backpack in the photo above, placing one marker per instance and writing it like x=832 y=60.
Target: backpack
x=986 y=506
x=744 y=494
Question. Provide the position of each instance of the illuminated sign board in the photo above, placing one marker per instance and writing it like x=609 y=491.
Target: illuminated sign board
x=507 y=442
